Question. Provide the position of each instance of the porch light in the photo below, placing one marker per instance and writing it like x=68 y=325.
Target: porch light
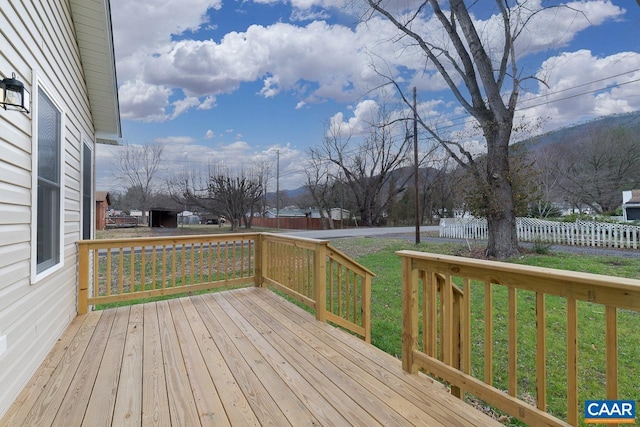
x=14 y=96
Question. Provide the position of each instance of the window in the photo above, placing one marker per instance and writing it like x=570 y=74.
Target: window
x=87 y=186
x=48 y=213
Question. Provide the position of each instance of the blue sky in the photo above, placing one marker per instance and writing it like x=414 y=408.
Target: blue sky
x=230 y=82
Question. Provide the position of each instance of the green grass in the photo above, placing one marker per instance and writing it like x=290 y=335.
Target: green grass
x=386 y=311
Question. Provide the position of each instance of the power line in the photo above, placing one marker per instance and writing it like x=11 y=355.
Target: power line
x=585 y=84
x=579 y=94
x=456 y=121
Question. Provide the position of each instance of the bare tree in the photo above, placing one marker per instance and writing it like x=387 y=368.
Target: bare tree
x=485 y=82
x=438 y=196
x=221 y=193
x=550 y=164
x=320 y=185
x=367 y=165
x=262 y=172
x=236 y=196
x=600 y=166
x=189 y=190
x=136 y=168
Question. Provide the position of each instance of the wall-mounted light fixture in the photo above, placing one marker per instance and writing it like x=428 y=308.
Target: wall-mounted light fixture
x=14 y=96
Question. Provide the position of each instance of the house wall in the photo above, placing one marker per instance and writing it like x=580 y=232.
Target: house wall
x=38 y=44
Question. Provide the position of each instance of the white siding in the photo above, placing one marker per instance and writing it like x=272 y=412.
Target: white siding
x=37 y=39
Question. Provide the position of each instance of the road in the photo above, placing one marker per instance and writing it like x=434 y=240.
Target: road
x=408 y=233
x=361 y=232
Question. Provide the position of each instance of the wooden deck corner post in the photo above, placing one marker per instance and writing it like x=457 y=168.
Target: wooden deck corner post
x=320 y=281
x=83 y=278
x=366 y=308
x=611 y=357
x=457 y=337
x=260 y=260
x=409 y=314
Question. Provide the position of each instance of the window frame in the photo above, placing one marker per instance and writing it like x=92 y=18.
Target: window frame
x=40 y=85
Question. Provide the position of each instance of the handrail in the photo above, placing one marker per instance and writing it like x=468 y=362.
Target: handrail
x=450 y=319
x=309 y=270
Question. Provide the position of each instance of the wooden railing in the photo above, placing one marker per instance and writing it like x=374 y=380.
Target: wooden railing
x=309 y=270
x=473 y=316
x=295 y=266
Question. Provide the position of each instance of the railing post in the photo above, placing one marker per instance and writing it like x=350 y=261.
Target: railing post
x=259 y=261
x=366 y=307
x=320 y=281
x=456 y=338
x=409 y=314
x=83 y=278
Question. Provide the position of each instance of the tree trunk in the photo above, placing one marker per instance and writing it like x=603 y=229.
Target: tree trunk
x=501 y=212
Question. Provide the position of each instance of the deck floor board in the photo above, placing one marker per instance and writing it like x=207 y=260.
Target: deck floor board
x=244 y=357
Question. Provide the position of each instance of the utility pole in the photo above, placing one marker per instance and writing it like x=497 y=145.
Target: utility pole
x=278 y=189
x=415 y=164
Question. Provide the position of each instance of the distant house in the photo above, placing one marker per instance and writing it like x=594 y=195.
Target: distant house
x=338 y=214
x=103 y=201
x=288 y=213
x=62 y=51
x=631 y=205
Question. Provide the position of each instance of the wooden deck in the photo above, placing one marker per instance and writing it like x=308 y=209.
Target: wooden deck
x=243 y=357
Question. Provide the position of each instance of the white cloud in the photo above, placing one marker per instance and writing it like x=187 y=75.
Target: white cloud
x=364 y=114
x=143 y=101
x=184 y=105
x=238 y=147
x=147 y=25
x=208 y=103
x=580 y=85
x=547 y=27
x=209 y=134
x=175 y=140
x=305 y=5
x=281 y=55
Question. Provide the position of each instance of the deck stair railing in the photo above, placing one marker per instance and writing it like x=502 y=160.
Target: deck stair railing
x=296 y=266
x=499 y=332
x=114 y=270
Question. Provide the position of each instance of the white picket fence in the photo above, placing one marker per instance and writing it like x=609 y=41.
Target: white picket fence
x=579 y=233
